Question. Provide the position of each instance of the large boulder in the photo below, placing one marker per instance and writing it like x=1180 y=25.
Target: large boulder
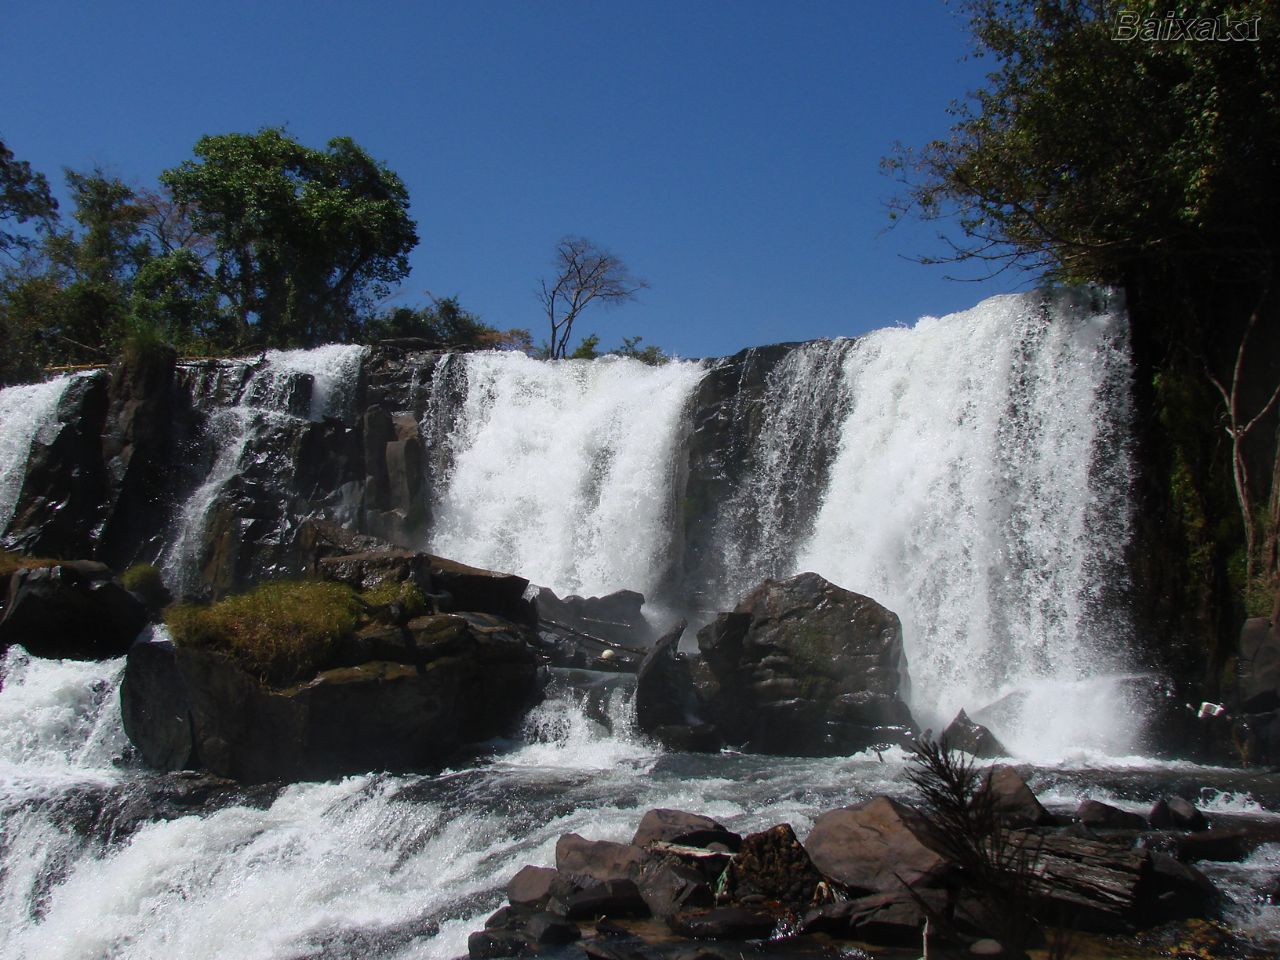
x=72 y=610
x=1258 y=666
x=877 y=846
x=804 y=667
x=450 y=681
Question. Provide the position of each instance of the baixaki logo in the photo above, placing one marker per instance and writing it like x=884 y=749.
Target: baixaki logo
x=1133 y=26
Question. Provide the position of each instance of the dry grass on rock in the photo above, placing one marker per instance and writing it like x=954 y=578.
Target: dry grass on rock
x=280 y=632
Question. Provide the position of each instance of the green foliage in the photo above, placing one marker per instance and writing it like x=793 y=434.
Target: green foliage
x=445 y=324
x=24 y=196
x=304 y=240
x=1089 y=156
x=586 y=349
x=280 y=632
x=653 y=355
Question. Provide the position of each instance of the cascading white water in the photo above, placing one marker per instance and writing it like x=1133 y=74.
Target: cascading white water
x=241 y=403
x=980 y=492
x=758 y=529
x=564 y=471
x=24 y=411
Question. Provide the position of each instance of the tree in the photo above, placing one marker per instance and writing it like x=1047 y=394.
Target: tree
x=305 y=241
x=585 y=273
x=445 y=324
x=24 y=196
x=1153 y=164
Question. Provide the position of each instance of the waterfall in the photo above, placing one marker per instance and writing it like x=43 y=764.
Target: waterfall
x=980 y=491
x=564 y=471
x=242 y=402
x=24 y=412
x=757 y=530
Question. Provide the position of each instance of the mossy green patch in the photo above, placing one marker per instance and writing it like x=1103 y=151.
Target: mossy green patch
x=405 y=592
x=280 y=632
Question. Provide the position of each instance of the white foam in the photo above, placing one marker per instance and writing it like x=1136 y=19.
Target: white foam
x=24 y=412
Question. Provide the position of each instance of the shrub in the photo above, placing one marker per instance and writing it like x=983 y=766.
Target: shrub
x=279 y=632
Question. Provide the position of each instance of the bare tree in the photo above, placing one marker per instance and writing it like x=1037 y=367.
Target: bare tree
x=584 y=273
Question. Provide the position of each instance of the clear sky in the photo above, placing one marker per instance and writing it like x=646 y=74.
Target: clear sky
x=727 y=150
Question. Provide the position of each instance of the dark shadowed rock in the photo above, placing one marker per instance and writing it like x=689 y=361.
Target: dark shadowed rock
x=75 y=610
x=600 y=860
x=1102 y=816
x=1013 y=800
x=546 y=929
x=612 y=898
x=876 y=846
x=615 y=617
x=492 y=944
x=803 y=667
x=772 y=864
x=377 y=715
x=670 y=886
x=892 y=919
x=1258 y=666
x=1175 y=813
x=724 y=923
x=972 y=738
x=64 y=484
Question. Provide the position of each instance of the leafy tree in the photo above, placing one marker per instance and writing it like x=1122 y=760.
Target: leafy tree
x=653 y=355
x=1153 y=165
x=305 y=241
x=24 y=196
x=587 y=348
x=585 y=273
x=445 y=324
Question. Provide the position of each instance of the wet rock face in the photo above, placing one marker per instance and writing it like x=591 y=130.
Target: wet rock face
x=448 y=684
x=73 y=610
x=65 y=484
x=803 y=667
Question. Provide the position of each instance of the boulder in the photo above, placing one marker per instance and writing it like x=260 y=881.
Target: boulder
x=1101 y=816
x=774 y=865
x=71 y=610
x=1258 y=666
x=376 y=715
x=670 y=693
x=533 y=886
x=1012 y=799
x=803 y=667
x=876 y=846
x=1175 y=813
x=677 y=826
x=600 y=860
x=972 y=738
x=892 y=919
x=612 y=898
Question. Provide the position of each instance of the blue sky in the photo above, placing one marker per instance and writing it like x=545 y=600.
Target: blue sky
x=727 y=151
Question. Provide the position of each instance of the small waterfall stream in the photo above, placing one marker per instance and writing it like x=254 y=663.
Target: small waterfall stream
x=24 y=412
x=564 y=471
x=242 y=402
